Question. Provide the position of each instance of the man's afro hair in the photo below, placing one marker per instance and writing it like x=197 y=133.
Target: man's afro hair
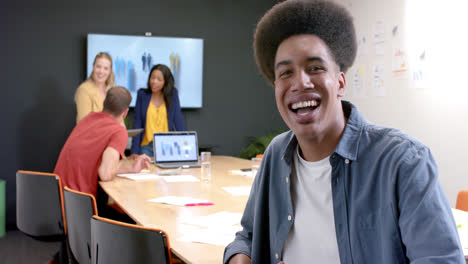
x=327 y=20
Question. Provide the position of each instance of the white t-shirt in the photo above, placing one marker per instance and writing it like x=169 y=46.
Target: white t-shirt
x=312 y=238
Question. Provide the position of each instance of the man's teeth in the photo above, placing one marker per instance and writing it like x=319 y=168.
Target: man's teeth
x=304 y=104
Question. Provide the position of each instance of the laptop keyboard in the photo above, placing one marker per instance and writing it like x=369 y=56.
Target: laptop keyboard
x=178 y=165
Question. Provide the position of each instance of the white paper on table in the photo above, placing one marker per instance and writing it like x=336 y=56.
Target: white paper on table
x=180 y=178
x=245 y=173
x=461 y=217
x=218 y=229
x=139 y=176
x=221 y=220
x=461 y=220
x=177 y=200
x=238 y=190
x=215 y=236
x=463 y=234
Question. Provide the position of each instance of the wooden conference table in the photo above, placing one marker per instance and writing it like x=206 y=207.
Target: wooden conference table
x=132 y=197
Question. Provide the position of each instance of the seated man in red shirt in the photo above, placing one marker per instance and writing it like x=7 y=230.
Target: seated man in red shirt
x=95 y=149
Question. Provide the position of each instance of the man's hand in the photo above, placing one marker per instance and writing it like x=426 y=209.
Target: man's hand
x=240 y=259
x=110 y=164
x=141 y=162
x=133 y=157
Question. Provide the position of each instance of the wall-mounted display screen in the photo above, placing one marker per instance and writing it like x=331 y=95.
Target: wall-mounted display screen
x=133 y=57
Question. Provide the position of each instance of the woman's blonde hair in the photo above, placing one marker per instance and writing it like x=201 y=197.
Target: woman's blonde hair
x=111 y=79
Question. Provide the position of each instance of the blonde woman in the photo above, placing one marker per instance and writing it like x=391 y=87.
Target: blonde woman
x=90 y=95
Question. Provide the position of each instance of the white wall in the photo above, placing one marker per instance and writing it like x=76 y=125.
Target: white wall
x=435 y=112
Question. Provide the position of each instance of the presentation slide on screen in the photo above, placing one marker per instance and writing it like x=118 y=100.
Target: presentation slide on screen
x=134 y=56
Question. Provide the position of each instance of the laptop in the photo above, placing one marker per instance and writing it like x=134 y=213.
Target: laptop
x=176 y=149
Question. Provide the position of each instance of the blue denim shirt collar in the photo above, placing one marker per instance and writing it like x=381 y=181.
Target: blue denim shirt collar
x=349 y=143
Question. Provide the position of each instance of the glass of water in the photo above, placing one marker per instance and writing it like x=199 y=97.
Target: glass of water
x=205 y=158
x=255 y=165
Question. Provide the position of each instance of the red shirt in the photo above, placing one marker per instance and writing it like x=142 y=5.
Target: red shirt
x=81 y=156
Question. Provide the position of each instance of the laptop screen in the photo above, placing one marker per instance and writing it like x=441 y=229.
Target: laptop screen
x=175 y=147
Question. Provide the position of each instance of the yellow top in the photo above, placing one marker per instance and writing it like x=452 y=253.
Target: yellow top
x=87 y=99
x=156 y=121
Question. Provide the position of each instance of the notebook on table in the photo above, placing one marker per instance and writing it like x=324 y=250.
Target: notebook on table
x=134 y=132
x=176 y=149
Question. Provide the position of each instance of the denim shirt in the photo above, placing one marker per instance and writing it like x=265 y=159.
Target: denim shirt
x=388 y=204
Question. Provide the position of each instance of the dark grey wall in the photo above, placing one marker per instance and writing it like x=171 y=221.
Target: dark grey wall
x=43 y=60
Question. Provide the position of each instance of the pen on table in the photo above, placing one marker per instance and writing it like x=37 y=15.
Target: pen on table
x=199 y=204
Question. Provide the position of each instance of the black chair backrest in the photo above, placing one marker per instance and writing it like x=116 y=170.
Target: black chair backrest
x=116 y=242
x=79 y=208
x=39 y=204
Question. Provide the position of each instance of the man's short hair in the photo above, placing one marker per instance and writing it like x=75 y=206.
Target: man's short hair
x=327 y=20
x=117 y=100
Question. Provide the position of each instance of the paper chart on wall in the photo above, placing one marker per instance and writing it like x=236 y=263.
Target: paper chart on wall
x=399 y=60
x=359 y=81
x=379 y=37
x=378 y=80
x=362 y=43
x=419 y=69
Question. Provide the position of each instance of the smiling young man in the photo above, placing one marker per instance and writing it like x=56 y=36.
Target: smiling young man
x=336 y=188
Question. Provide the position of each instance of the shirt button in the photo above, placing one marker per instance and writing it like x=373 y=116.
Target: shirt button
x=289 y=218
x=346 y=161
x=287 y=179
x=276 y=256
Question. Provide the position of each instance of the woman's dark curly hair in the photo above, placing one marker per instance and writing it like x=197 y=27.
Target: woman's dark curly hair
x=168 y=83
x=329 y=21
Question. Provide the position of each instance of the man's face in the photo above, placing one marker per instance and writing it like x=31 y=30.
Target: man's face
x=308 y=87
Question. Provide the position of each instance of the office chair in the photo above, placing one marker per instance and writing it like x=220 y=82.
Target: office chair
x=79 y=208
x=117 y=242
x=462 y=200
x=39 y=209
x=39 y=205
